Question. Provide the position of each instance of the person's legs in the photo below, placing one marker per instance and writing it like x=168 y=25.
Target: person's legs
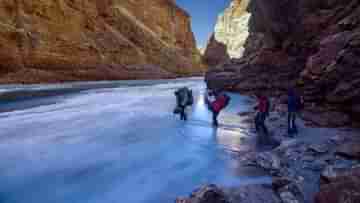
x=182 y=113
x=257 y=122
x=215 y=121
x=185 y=116
x=292 y=128
x=263 y=117
x=181 y=116
x=289 y=122
x=293 y=120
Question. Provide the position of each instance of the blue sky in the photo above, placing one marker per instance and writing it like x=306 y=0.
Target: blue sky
x=204 y=15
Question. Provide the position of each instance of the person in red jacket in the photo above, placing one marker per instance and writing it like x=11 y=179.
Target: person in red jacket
x=218 y=104
x=262 y=108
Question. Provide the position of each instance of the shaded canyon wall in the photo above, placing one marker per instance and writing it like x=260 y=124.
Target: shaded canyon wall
x=66 y=40
x=313 y=44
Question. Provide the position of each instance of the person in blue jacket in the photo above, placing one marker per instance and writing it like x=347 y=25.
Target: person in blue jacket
x=294 y=106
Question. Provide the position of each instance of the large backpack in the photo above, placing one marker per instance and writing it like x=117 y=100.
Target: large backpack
x=190 y=101
x=183 y=93
x=220 y=103
x=227 y=100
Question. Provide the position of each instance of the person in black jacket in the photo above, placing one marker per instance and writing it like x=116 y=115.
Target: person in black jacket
x=184 y=98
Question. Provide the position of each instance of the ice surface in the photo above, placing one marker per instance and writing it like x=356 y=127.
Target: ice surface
x=119 y=144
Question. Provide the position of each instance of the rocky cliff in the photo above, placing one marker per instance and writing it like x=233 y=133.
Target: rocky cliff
x=312 y=44
x=231 y=32
x=63 y=40
x=215 y=53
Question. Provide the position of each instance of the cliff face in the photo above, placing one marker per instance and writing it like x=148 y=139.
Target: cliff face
x=312 y=44
x=232 y=27
x=62 y=40
x=231 y=32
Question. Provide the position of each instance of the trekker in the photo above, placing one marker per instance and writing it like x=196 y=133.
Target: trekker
x=210 y=98
x=263 y=108
x=217 y=102
x=294 y=106
x=184 y=98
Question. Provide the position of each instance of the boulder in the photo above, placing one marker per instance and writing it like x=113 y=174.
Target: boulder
x=326 y=118
x=319 y=148
x=341 y=189
x=290 y=144
x=269 y=161
x=315 y=165
x=333 y=174
x=338 y=139
x=291 y=193
x=280 y=182
x=329 y=173
x=349 y=150
x=252 y=194
x=206 y=194
x=288 y=197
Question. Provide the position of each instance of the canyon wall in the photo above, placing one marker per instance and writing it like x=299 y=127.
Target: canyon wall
x=67 y=40
x=230 y=34
x=311 y=44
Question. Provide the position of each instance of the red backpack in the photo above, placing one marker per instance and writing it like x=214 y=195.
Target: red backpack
x=263 y=105
x=220 y=103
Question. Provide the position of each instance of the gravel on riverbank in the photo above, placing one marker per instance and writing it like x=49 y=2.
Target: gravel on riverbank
x=320 y=165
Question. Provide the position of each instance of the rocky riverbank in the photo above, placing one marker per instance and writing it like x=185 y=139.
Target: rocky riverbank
x=320 y=165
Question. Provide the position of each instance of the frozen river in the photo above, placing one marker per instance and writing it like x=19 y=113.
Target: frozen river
x=117 y=143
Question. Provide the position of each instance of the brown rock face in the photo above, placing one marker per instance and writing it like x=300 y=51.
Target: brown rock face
x=314 y=44
x=215 y=53
x=62 y=40
x=345 y=188
x=349 y=150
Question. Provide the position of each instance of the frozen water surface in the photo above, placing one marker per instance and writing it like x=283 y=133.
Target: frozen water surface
x=119 y=143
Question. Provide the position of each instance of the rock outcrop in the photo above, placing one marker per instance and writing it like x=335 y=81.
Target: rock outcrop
x=342 y=188
x=312 y=44
x=215 y=53
x=206 y=194
x=231 y=32
x=62 y=40
x=244 y=194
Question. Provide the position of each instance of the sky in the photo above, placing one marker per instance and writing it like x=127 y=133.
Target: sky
x=204 y=15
